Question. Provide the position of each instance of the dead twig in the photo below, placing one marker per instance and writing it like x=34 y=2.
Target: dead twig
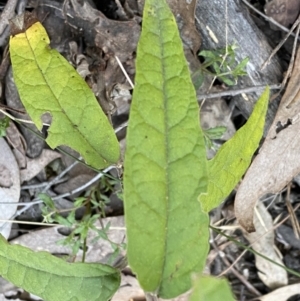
x=237 y=92
x=267 y=18
x=297 y=22
x=235 y=272
x=243 y=253
x=293 y=217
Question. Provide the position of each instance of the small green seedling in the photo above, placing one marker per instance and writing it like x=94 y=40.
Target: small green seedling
x=4 y=124
x=223 y=64
x=213 y=134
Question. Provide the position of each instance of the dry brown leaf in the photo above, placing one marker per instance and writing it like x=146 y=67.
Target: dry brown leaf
x=262 y=241
x=5 y=286
x=72 y=184
x=284 y=12
x=34 y=143
x=184 y=12
x=3 y=298
x=282 y=294
x=34 y=166
x=216 y=113
x=113 y=37
x=9 y=186
x=5 y=177
x=17 y=141
x=278 y=160
x=129 y=289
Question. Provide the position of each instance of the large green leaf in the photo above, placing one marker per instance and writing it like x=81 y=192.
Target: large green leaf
x=54 y=279
x=234 y=157
x=48 y=83
x=207 y=288
x=165 y=162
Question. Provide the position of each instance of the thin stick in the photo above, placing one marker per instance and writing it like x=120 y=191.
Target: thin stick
x=297 y=22
x=250 y=287
x=244 y=252
x=56 y=179
x=19 y=120
x=84 y=186
x=124 y=72
x=237 y=91
x=267 y=18
x=27 y=223
x=11 y=109
x=291 y=64
x=226 y=50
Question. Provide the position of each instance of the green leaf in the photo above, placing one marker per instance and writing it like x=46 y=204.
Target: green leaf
x=198 y=78
x=227 y=80
x=208 y=288
x=215 y=133
x=4 y=124
x=53 y=279
x=47 y=200
x=234 y=157
x=165 y=162
x=48 y=83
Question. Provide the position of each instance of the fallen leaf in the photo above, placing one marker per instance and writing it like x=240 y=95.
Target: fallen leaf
x=113 y=37
x=184 y=12
x=72 y=184
x=282 y=294
x=34 y=166
x=287 y=236
x=5 y=177
x=129 y=289
x=278 y=160
x=216 y=113
x=262 y=241
x=5 y=286
x=3 y=298
x=284 y=12
x=9 y=186
x=17 y=141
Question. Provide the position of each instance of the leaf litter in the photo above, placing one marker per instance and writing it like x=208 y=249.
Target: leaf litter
x=105 y=36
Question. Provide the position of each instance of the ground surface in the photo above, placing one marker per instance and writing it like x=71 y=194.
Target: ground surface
x=90 y=36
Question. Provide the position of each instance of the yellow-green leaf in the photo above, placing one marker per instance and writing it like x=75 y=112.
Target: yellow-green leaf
x=48 y=83
x=165 y=162
x=234 y=157
x=53 y=279
x=207 y=288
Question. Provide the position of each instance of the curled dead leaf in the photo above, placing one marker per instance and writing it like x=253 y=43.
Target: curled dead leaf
x=9 y=186
x=278 y=160
x=283 y=293
x=284 y=12
x=262 y=241
x=5 y=177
